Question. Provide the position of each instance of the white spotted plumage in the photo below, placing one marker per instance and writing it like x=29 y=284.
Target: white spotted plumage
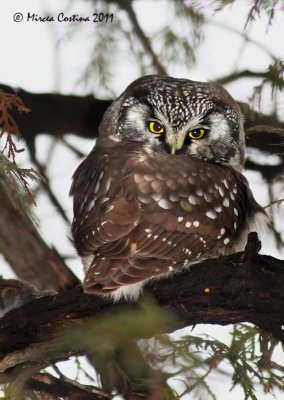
x=147 y=205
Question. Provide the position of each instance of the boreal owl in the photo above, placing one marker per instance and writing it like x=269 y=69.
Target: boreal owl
x=162 y=188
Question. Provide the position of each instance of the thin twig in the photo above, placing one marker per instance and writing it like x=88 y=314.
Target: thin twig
x=72 y=148
x=47 y=188
x=244 y=35
x=126 y=5
x=88 y=388
x=240 y=74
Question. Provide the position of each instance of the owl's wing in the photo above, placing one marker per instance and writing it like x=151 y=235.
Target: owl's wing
x=157 y=214
x=104 y=212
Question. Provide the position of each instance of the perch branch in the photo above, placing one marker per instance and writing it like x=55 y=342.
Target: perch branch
x=243 y=287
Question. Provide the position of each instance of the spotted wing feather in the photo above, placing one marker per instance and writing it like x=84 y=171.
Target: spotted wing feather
x=135 y=221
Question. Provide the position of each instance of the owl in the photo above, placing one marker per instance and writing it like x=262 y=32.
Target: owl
x=162 y=188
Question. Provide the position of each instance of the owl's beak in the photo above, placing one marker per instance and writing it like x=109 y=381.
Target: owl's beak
x=173 y=148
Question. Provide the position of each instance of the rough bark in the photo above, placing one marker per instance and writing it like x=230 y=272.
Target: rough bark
x=27 y=253
x=58 y=114
x=232 y=289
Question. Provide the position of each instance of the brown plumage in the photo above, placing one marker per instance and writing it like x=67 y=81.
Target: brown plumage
x=141 y=212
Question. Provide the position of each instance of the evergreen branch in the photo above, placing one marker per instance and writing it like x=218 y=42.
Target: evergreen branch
x=240 y=287
x=230 y=289
x=59 y=115
x=245 y=36
x=126 y=5
x=239 y=75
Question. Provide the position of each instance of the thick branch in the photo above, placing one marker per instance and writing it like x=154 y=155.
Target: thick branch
x=58 y=114
x=26 y=252
x=227 y=290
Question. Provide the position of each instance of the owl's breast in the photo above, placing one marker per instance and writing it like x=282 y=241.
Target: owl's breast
x=187 y=195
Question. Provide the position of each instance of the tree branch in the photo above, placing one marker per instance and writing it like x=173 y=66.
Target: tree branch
x=59 y=388
x=126 y=5
x=241 y=74
x=49 y=387
x=47 y=188
x=26 y=252
x=238 y=288
x=58 y=114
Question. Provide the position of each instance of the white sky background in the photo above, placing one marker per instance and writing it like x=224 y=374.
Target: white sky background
x=30 y=60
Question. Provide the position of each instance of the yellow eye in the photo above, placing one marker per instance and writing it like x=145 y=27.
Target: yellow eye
x=196 y=133
x=156 y=128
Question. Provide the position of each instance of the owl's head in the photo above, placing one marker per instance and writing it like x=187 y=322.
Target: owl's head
x=180 y=117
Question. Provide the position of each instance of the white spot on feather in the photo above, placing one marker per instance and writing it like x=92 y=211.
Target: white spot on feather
x=138 y=178
x=221 y=191
x=97 y=186
x=173 y=197
x=226 y=202
x=208 y=197
x=148 y=177
x=211 y=214
x=193 y=200
x=90 y=206
x=225 y=183
x=156 y=196
x=164 y=203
